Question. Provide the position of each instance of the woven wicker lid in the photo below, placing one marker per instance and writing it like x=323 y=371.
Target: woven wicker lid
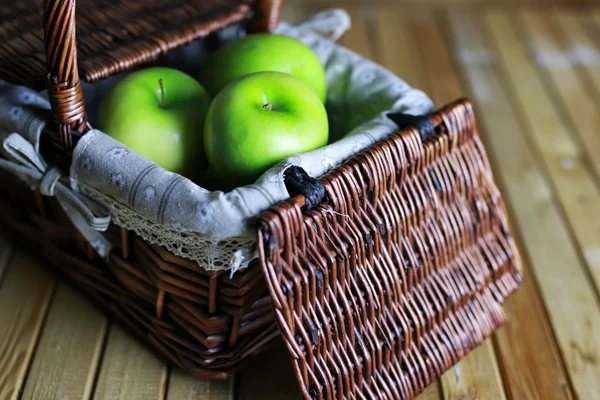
x=376 y=291
x=112 y=35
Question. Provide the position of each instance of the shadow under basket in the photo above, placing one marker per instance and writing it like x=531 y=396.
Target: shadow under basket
x=393 y=278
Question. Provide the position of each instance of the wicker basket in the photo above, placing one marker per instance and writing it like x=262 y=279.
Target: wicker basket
x=374 y=299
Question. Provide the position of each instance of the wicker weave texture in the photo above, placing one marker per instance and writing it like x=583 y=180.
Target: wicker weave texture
x=112 y=35
x=401 y=273
x=100 y=38
x=207 y=323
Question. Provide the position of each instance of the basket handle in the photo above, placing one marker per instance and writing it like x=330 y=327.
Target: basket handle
x=266 y=16
x=64 y=87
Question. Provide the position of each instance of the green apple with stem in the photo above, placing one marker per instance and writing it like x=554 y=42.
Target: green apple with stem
x=259 y=120
x=263 y=52
x=159 y=113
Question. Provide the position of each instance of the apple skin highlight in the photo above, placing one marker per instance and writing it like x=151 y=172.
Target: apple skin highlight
x=259 y=120
x=164 y=124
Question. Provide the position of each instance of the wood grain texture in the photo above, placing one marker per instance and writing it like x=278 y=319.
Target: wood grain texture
x=431 y=392
x=475 y=377
x=69 y=349
x=570 y=169
x=566 y=292
x=443 y=80
x=129 y=371
x=357 y=37
x=595 y=29
x=25 y=293
x=580 y=31
x=270 y=376
x=393 y=40
x=184 y=387
x=583 y=205
x=526 y=343
x=556 y=62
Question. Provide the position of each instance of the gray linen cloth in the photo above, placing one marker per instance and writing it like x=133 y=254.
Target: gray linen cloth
x=24 y=111
x=215 y=228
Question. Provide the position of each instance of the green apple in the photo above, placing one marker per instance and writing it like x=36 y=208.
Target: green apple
x=259 y=120
x=159 y=113
x=263 y=52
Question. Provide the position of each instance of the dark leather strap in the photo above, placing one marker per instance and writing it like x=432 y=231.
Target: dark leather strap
x=297 y=181
x=423 y=123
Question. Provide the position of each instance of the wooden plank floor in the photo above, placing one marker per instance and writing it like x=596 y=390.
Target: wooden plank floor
x=534 y=75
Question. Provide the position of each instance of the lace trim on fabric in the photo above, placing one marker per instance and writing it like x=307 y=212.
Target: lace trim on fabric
x=213 y=255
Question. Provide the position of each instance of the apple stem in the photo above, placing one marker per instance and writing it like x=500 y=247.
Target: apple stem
x=268 y=107
x=162 y=93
